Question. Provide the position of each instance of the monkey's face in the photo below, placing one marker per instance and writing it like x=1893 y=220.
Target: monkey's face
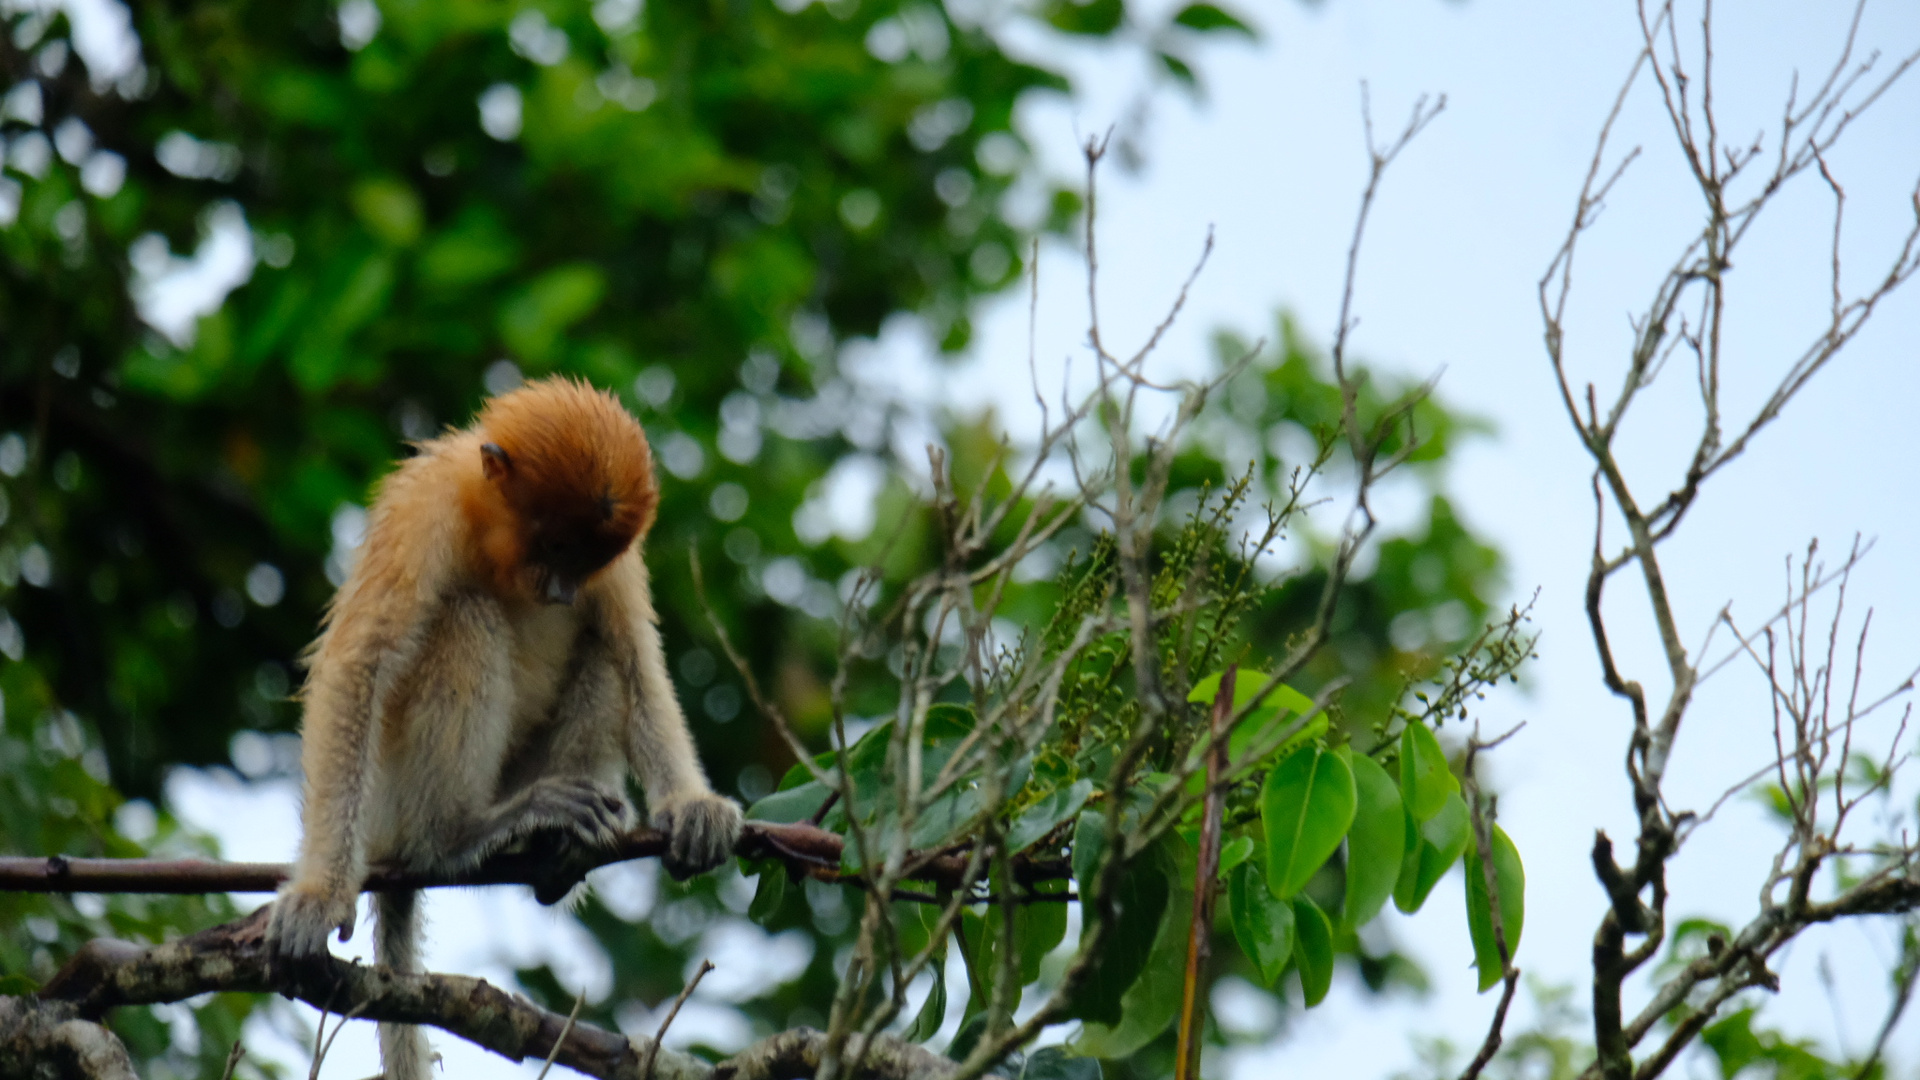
x=563 y=552
x=567 y=523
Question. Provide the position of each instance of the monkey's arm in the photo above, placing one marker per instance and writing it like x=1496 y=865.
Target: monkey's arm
x=337 y=754
x=701 y=826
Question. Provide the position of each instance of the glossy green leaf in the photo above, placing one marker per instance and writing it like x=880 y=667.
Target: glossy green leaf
x=1248 y=685
x=1510 y=878
x=1278 y=711
x=1055 y=1063
x=875 y=790
x=945 y=817
x=1376 y=845
x=1140 y=901
x=1208 y=17
x=1043 y=817
x=770 y=891
x=1313 y=950
x=1425 y=778
x=1442 y=839
x=933 y=1011
x=794 y=804
x=1150 y=1003
x=1306 y=806
x=1261 y=924
x=967 y=1037
x=1236 y=851
x=1038 y=928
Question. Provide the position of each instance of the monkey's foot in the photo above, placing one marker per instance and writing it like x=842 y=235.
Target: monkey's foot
x=296 y=938
x=701 y=831
x=301 y=920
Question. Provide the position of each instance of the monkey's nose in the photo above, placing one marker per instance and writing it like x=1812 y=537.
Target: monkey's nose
x=560 y=590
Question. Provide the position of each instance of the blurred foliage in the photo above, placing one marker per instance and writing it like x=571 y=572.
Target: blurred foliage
x=57 y=799
x=694 y=205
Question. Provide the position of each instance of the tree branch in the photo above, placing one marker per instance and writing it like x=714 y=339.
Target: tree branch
x=805 y=850
x=62 y=1021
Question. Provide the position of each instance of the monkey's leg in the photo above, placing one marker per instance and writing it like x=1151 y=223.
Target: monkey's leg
x=581 y=747
x=443 y=740
x=404 y=1051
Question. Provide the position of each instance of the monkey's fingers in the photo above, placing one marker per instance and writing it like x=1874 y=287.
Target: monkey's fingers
x=701 y=834
x=582 y=808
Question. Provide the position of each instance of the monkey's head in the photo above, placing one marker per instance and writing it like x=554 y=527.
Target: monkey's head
x=573 y=473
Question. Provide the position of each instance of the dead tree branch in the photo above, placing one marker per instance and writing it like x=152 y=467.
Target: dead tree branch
x=63 y=1021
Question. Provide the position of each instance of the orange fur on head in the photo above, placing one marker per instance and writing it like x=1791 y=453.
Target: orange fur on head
x=574 y=488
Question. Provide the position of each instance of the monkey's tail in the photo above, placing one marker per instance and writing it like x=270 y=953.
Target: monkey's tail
x=404 y=1053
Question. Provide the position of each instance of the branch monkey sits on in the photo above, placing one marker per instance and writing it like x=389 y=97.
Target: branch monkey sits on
x=490 y=673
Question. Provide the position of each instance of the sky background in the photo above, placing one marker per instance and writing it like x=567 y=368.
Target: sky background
x=1274 y=162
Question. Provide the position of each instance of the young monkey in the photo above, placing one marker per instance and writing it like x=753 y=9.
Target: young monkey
x=489 y=673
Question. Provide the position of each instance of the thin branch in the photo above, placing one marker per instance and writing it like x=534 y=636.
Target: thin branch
x=806 y=850
x=572 y=1017
x=660 y=1036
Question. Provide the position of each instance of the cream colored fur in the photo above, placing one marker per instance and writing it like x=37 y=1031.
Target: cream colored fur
x=444 y=721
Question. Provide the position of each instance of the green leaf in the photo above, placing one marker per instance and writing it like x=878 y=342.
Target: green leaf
x=1510 y=878
x=875 y=793
x=1095 y=18
x=1314 y=952
x=1277 y=710
x=1261 y=924
x=798 y=773
x=771 y=891
x=1237 y=851
x=794 y=804
x=389 y=209
x=475 y=248
x=1153 y=999
x=1425 y=779
x=1043 y=817
x=1207 y=18
x=1441 y=841
x=1248 y=685
x=1037 y=929
x=533 y=320
x=926 y=1023
x=1055 y=1063
x=967 y=1037
x=945 y=816
x=1376 y=845
x=1140 y=900
x=1306 y=806
x=1179 y=69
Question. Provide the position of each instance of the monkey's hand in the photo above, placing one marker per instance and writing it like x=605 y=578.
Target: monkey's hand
x=585 y=812
x=297 y=931
x=701 y=830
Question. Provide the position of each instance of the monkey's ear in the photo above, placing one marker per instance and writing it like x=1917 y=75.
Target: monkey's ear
x=494 y=461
